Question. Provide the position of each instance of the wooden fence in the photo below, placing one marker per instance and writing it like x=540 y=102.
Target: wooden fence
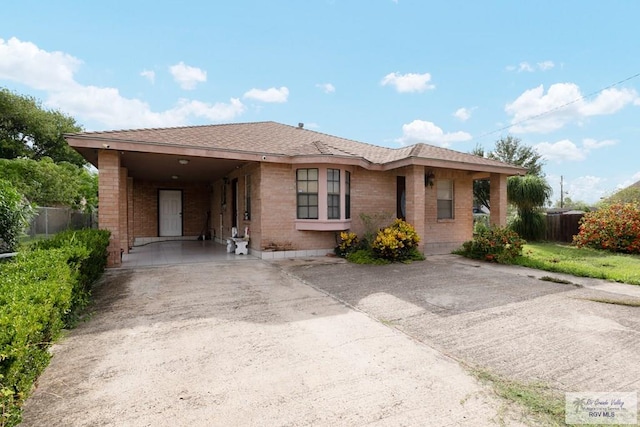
x=562 y=227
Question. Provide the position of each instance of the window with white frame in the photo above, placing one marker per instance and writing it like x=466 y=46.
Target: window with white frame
x=323 y=198
x=307 y=193
x=445 y=198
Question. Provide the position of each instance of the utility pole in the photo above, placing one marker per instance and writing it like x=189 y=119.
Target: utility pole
x=561 y=192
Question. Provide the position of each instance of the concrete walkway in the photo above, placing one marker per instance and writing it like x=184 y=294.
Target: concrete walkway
x=236 y=343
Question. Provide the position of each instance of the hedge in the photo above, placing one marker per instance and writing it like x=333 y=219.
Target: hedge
x=40 y=291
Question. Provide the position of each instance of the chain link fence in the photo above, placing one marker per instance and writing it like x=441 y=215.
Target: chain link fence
x=49 y=221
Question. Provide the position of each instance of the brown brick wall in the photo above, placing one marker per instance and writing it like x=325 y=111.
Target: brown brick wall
x=221 y=221
x=195 y=204
x=374 y=195
x=445 y=235
x=108 y=197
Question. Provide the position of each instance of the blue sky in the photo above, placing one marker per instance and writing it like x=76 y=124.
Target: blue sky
x=563 y=76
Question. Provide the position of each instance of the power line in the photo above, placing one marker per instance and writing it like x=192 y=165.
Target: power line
x=536 y=116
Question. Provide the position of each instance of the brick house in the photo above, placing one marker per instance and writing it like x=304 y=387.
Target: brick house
x=295 y=189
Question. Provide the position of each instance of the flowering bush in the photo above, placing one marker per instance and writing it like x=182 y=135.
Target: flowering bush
x=496 y=244
x=348 y=243
x=614 y=228
x=396 y=242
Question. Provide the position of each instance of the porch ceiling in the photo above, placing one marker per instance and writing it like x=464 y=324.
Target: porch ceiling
x=162 y=167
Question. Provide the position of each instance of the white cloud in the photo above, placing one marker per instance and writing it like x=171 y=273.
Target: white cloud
x=545 y=65
x=632 y=180
x=592 y=144
x=561 y=151
x=566 y=150
x=326 y=87
x=535 y=111
x=587 y=188
x=527 y=67
x=410 y=82
x=463 y=114
x=25 y=63
x=149 y=75
x=427 y=132
x=107 y=106
x=268 y=95
x=53 y=72
x=186 y=76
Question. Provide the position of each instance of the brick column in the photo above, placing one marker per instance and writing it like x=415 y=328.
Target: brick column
x=415 y=201
x=123 y=200
x=108 y=201
x=130 y=213
x=498 y=198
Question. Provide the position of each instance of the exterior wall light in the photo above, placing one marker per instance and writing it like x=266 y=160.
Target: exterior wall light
x=429 y=178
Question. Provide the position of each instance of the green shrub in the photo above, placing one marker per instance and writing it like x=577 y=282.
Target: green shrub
x=366 y=256
x=15 y=213
x=41 y=290
x=96 y=241
x=614 y=228
x=530 y=224
x=348 y=243
x=396 y=242
x=496 y=244
x=35 y=295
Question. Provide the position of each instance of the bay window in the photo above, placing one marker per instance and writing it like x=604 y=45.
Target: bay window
x=323 y=199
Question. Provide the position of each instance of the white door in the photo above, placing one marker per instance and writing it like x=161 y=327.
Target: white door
x=170 y=212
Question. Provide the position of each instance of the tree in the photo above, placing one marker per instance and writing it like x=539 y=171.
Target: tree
x=626 y=195
x=569 y=203
x=528 y=193
x=509 y=150
x=46 y=183
x=15 y=213
x=28 y=130
x=481 y=188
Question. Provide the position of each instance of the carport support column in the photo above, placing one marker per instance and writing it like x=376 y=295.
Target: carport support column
x=109 y=185
x=498 y=198
x=124 y=211
x=415 y=201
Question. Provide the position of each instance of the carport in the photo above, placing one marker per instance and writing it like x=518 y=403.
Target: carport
x=175 y=252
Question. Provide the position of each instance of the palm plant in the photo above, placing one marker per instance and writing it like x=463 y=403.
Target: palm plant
x=528 y=193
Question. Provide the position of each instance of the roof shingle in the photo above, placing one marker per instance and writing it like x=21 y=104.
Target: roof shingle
x=279 y=139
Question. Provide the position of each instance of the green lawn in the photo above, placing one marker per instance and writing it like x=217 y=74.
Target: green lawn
x=581 y=262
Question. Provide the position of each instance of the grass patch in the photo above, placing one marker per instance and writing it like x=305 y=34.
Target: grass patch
x=366 y=256
x=542 y=404
x=582 y=262
x=627 y=303
x=556 y=280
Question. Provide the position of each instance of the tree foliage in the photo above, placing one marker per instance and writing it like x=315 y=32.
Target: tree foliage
x=626 y=195
x=481 y=188
x=15 y=213
x=46 y=183
x=27 y=130
x=529 y=194
x=511 y=150
x=508 y=150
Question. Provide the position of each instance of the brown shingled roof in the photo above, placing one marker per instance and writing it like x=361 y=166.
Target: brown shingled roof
x=273 y=138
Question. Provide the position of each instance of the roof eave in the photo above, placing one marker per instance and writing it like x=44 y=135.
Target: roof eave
x=452 y=164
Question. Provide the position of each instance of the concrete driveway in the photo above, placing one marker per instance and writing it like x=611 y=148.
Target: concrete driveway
x=245 y=343
x=322 y=342
x=501 y=318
